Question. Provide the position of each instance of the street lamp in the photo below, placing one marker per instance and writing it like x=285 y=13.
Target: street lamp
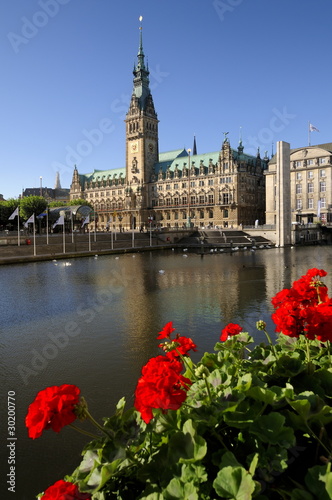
x=188 y=217
x=150 y=219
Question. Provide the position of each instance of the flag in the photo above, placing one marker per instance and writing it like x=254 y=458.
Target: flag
x=312 y=128
x=86 y=220
x=40 y=216
x=31 y=219
x=318 y=208
x=61 y=220
x=13 y=215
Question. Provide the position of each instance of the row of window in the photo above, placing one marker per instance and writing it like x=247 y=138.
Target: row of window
x=183 y=215
x=199 y=183
x=300 y=163
x=108 y=193
x=310 y=203
x=224 y=199
x=310 y=175
x=310 y=187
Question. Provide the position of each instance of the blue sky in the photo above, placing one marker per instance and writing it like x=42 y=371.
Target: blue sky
x=216 y=65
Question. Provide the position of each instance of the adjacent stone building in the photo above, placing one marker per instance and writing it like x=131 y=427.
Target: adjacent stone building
x=310 y=178
x=178 y=188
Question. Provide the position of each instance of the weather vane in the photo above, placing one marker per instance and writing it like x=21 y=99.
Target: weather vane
x=140 y=20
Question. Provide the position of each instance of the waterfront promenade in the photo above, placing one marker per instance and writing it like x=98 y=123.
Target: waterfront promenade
x=79 y=245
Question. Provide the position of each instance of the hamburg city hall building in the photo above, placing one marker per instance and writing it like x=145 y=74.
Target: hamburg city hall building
x=172 y=189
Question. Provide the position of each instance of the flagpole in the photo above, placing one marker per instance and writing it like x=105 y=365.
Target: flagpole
x=64 y=236
x=133 y=234
x=34 y=236
x=72 y=228
x=47 y=226
x=18 y=229
x=309 y=133
x=89 y=240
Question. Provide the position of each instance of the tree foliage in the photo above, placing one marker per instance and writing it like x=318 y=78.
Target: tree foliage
x=7 y=207
x=32 y=205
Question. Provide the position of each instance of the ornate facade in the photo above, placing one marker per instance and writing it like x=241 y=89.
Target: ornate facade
x=225 y=188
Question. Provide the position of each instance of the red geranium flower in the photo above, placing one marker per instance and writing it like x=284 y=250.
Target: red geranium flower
x=53 y=408
x=320 y=324
x=166 y=331
x=160 y=386
x=229 y=331
x=181 y=345
x=300 y=310
x=63 y=490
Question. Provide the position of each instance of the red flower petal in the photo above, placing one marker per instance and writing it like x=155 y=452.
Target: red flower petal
x=53 y=408
x=166 y=331
x=63 y=490
x=229 y=331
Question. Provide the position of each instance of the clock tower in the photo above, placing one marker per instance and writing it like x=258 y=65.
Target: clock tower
x=141 y=129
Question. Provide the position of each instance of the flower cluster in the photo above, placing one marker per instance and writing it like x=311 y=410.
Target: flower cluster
x=229 y=331
x=305 y=308
x=63 y=490
x=128 y=452
x=161 y=384
x=53 y=408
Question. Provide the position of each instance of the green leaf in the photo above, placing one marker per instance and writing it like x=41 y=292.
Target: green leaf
x=270 y=429
x=215 y=378
x=315 y=481
x=328 y=480
x=299 y=494
x=229 y=459
x=174 y=489
x=234 y=483
x=90 y=459
x=99 y=495
x=193 y=472
x=178 y=491
x=153 y=496
x=195 y=445
x=261 y=394
x=253 y=464
x=244 y=415
x=244 y=383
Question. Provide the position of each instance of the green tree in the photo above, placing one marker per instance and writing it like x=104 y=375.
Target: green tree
x=32 y=205
x=6 y=209
x=54 y=204
x=80 y=201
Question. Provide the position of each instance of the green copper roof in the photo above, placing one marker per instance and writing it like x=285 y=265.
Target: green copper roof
x=172 y=159
x=101 y=175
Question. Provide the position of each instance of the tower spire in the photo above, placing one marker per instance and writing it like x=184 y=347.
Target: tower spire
x=240 y=146
x=140 y=54
x=194 y=146
x=141 y=74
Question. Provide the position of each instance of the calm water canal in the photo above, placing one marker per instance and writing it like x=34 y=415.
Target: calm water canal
x=93 y=322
